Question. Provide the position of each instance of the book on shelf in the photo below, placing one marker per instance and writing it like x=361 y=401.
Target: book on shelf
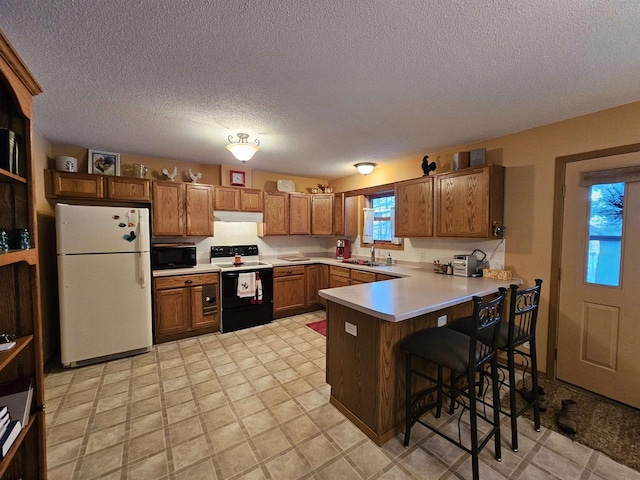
x=9 y=437
x=17 y=396
x=4 y=421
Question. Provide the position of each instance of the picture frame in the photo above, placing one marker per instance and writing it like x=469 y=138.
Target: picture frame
x=104 y=163
x=237 y=178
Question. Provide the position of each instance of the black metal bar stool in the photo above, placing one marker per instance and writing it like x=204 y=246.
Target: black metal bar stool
x=517 y=337
x=465 y=356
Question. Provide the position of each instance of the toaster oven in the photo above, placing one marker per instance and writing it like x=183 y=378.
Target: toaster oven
x=465 y=265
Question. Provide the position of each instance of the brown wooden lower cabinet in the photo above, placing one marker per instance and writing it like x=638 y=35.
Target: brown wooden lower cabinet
x=289 y=287
x=367 y=372
x=185 y=305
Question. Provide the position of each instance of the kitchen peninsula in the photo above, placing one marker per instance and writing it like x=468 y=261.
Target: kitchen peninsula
x=365 y=327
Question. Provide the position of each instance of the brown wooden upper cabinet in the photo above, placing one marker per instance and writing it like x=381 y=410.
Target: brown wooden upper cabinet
x=414 y=208
x=276 y=213
x=322 y=214
x=97 y=187
x=351 y=215
x=299 y=214
x=345 y=215
x=470 y=202
x=182 y=209
x=199 y=218
x=238 y=199
x=338 y=214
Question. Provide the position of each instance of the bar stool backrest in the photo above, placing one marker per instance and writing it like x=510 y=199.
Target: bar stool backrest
x=484 y=336
x=523 y=313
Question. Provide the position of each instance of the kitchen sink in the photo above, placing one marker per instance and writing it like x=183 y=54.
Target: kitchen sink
x=365 y=263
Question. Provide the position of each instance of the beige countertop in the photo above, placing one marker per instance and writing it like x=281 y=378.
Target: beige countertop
x=200 y=268
x=417 y=292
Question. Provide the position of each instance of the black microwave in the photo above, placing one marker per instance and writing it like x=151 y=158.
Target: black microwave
x=173 y=256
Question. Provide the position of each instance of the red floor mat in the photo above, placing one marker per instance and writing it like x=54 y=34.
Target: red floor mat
x=320 y=327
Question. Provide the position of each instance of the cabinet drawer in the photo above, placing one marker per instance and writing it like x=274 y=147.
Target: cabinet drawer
x=122 y=188
x=177 y=281
x=361 y=276
x=287 y=271
x=339 y=272
x=381 y=277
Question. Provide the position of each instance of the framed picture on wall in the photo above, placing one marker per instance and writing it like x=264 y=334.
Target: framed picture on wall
x=236 y=178
x=104 y=163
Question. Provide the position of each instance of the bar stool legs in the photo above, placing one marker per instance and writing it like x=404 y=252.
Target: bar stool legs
x=464 y=357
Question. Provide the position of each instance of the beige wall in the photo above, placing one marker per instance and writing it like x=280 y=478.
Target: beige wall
x=529 y=158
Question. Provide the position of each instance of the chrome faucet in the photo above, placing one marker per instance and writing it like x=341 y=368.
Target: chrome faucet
x=373 y=255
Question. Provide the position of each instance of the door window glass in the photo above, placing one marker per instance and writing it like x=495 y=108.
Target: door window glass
x=605 y=233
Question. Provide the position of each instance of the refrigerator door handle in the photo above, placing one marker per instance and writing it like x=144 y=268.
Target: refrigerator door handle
x=142 y=233
x=142 y=268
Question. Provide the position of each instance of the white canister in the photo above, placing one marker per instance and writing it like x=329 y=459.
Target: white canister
x=66 y=164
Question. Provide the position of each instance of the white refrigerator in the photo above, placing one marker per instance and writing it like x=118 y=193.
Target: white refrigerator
x=104 y=282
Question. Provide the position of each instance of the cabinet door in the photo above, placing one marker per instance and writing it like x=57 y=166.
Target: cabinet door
x=299 y=214
x=227 y=198
x=168 y=209
x=276 y=213
x=172 y=311
x=198 y=318
x=250 y=200
x=313 y=277
x=414 y=208
x=199 y=210
x=323 y=282
x=322 y=214
x=123 y=188
x=288 y=293
x=351 y=215
x=65 y=184
x=469 y=202
x=338 y=214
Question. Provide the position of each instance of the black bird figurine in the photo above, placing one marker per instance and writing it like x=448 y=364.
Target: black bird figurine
x=426 y=166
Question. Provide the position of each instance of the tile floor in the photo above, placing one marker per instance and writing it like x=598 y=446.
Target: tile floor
x=254 y=405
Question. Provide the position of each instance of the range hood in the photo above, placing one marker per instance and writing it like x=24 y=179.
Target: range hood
x=226 y=216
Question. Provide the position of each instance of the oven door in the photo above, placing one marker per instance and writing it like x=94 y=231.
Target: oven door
x=239 y=313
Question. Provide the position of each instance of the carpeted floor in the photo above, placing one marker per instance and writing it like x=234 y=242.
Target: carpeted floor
x=320 y=327
x=604 y=425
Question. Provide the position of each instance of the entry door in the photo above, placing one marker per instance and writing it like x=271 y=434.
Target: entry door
x=599 y=311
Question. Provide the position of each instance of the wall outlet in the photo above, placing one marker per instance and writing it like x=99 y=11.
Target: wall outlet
x=442 y=320
x=351 y=329
x=423 y=256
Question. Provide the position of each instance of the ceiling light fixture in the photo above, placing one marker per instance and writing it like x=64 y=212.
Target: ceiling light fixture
x=242 y=149
x=365 y=168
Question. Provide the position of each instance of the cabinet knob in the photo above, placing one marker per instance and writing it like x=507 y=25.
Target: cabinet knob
x=289 y=272
x=188 y=282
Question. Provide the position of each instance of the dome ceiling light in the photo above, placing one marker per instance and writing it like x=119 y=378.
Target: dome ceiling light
x=365 y=168
x=242 y=149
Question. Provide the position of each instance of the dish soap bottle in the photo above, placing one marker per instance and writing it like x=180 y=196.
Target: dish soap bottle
x=389 y=259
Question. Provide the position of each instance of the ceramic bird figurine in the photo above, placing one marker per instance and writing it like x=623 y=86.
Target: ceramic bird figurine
x=426 y=166
x=171 y=175
x=194 y=176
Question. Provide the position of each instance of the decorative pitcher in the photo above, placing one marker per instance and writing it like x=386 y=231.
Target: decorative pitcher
x=139 y=170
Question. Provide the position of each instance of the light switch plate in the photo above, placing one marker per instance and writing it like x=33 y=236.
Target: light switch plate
x=351 y=329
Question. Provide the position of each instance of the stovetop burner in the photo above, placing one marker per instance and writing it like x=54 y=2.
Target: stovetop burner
x=249 y=263
x=224 y=257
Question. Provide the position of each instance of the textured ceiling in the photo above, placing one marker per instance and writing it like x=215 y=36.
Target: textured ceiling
x=322 y=84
